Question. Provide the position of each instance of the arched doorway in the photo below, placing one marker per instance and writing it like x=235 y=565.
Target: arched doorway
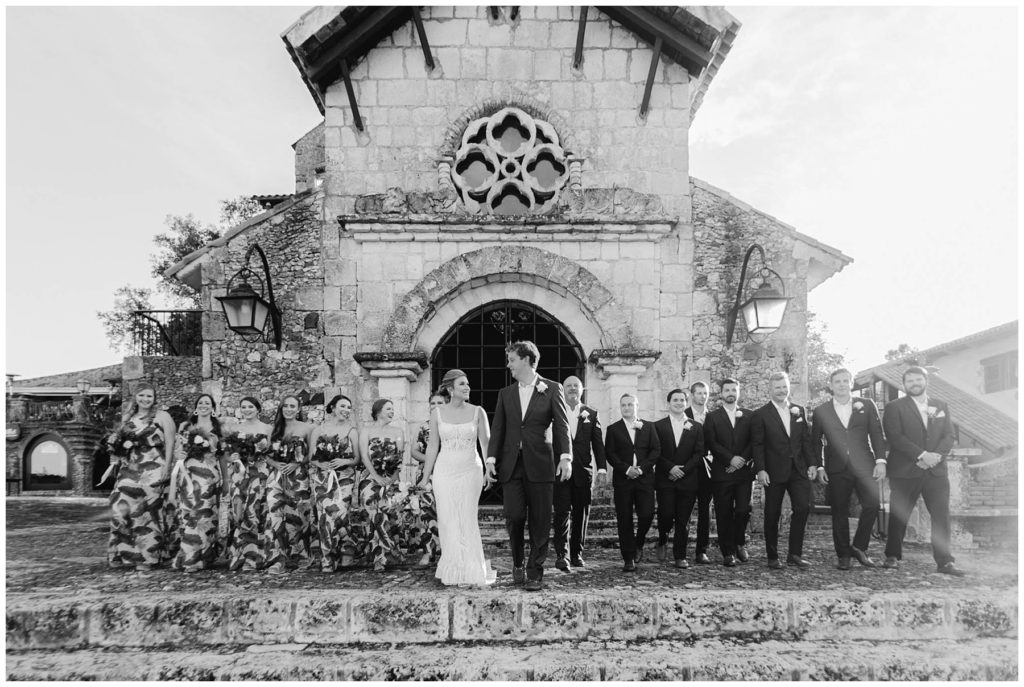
x=476 y=345
x=47 y=464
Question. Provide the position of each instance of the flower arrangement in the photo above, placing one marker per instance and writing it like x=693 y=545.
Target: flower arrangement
x=288 y=450
x=858 y=406
x=385 y=461
x=198 y=443
x=327 y=448
x=542 y=387
x=637 y=424
x=739 y=413
x=244 y=444
x=794 y=411
x=124 y=441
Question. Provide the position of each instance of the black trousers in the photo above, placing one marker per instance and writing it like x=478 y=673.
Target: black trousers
x=799 y=489
x=528 y=502
x=840 y=487
x=705 y=494
x=572 y=512
x=732 y=512
x=675 y=505
x=903 y=496
x=630 y=497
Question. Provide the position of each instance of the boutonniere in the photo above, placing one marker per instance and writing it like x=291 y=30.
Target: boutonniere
x=637 y=424
x=739 y=413
x=584 y=415
x=858 y=406
x=542 y=387
x=794 y=411
x=687 y=424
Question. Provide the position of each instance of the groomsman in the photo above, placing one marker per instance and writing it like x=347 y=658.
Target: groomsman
x=572 y=497
x=632 y=448
x=675 y=479
x=920 y=434
x=849 y=432
x=781 y=447
x=727 y=436
x=698 y=412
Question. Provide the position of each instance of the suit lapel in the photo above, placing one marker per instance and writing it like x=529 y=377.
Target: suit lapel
x=534 y=393
x=778 y=420
x=912 y=409
x=514 y=392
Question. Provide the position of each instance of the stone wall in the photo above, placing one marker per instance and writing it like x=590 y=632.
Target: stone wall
x=177 y=380
x=723 y=230
x=81 y=441
x=309 y=157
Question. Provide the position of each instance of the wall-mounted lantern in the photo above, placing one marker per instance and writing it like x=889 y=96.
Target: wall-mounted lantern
x=765 y=305
x=246 y=309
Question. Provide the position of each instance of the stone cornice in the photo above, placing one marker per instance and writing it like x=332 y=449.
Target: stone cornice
x=407 y=364
x=365 y=228
x=610 y=361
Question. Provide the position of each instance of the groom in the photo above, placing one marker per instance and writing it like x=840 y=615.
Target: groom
x=530 y=426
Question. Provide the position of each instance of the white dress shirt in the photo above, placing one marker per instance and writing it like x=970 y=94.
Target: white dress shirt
x=525 y=393
x=574 y=418
x=844 y=411
x=783 y=412
x=922 y=407
x=677 y=427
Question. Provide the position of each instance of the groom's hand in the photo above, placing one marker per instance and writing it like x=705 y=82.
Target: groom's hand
x=492 y=471
x=564 y=471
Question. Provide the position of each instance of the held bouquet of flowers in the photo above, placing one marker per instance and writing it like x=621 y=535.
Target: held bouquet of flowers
x=385 y=462
x=288 y=450
x=327 y=449
x=244 y=444
x=198 y=443
x=121 y=442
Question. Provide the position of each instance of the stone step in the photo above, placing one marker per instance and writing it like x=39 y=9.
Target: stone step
x=347 y=617
x=609 y=660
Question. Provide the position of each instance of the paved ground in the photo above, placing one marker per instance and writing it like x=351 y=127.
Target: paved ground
x=57 y=546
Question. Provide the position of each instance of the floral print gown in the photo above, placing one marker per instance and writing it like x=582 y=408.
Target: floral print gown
x=381 y=526
x=248 y=542
x=289 y=504
x=137 y=527
x=428 y=540
x=196 y=485
x=332 y=492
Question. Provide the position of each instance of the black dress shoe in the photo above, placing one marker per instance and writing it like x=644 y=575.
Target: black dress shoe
x=518 y=574
x=891 y=562
x=703 y=559
x=862 y=558
x=798 y=562
x=629 y=566
x=576 y=561
x=775 y=564
x=951 y=569
x=682 y=563
x=638 y=556
x=741 y=554
x=534 y=585
x=730 y=561
x=562 y=564
x=844 y=563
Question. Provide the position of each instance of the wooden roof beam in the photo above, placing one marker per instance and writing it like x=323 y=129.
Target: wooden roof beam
x=422 y=32
x=363 y=37
x=578 y=59
x=651 y=27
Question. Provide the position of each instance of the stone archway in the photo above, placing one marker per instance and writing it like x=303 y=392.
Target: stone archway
x=559 y=285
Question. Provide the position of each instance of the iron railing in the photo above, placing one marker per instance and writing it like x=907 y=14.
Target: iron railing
x=49 y=411
x=167 y=332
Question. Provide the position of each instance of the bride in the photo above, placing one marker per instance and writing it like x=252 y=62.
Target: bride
x=455 y=430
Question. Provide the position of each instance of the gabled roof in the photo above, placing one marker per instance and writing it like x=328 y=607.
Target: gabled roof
x=1003 y=330
x=990 y=427
x=325 y=38
x=96 y=376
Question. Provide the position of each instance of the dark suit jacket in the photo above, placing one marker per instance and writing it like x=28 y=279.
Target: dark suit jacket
x=689 y=454
x=510 y=431
x=586 y=442
x=850 y=449
x=909 y=438
x=619 y=450
x=706 y=467
x=783 y=457
x=725 y=441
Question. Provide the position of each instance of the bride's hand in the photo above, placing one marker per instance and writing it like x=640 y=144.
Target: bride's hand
x=489 y=480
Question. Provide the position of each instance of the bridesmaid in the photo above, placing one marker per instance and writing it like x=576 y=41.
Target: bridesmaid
x=332 y=478
x=248 y=546
x=145 y=446
x=288 y=497
x=381 y=447
x=196 y=486
x=429 y=542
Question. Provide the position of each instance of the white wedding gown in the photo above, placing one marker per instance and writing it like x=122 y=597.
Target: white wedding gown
x=458 y=480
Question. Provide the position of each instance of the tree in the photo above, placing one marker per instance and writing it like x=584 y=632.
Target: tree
x=820 y=360
x=905 y=353
x=185 y=235
x=119 y=324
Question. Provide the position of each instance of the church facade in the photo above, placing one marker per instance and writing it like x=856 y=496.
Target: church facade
x=489 y=174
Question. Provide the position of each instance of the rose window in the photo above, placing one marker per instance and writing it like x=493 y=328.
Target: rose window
x=509 y=164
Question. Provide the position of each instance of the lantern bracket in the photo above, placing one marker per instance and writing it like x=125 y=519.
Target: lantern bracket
x=245 y=275
x=764 y=273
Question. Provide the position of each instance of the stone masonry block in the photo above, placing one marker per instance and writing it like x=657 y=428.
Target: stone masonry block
x=554 y=617
x=506 y=65
x=332 y=298
x=487 y=618
x=531 y=34
x=481 y=32
x=449 y=60
x=616 y=64
x=923 y=616
x=830 y=616
x=260 y=621
x=132 y=367
x=402 y=92
x=339 y=322
x=985 y=617
x=447 y=33
x=309 y=298
x=45 y=628
x=155 y=624
x=620 y=617
x=547 y=65
x=473 y=63
x=324 y=621
x=563 y=34
x=384 y=619
x=387 y=63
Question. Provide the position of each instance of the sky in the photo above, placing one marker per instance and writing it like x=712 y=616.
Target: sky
x=888 y=133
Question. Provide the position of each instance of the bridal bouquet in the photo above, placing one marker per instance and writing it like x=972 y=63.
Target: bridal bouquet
x=288 y=450
x=125 y=440
x=198 y=443
x=245 y=445
x=327 y=448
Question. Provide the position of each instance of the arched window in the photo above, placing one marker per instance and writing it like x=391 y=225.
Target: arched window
x=47 y=464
